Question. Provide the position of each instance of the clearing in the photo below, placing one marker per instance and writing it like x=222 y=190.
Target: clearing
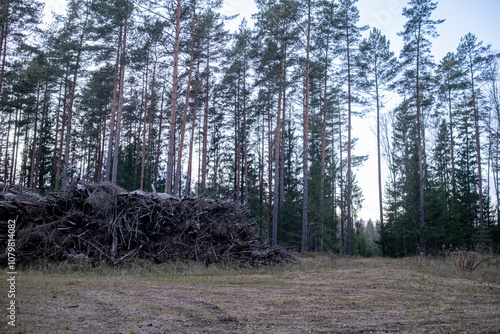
x=324 y=294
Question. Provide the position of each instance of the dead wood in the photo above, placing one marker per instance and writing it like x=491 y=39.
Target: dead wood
x=102 y=222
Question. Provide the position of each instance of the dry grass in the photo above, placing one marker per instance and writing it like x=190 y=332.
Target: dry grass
x=468 y=265
x=324 y=294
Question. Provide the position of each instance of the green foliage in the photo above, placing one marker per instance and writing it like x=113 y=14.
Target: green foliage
x=236 y=81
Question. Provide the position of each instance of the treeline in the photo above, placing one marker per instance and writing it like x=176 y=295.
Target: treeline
x=159 y=95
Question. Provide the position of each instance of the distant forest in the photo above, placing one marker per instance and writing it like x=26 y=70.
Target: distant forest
x=161 y=96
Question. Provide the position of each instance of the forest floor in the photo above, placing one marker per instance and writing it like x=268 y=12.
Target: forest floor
x=323 y=294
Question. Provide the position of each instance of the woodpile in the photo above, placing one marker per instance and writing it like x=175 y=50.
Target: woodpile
x=102 y=222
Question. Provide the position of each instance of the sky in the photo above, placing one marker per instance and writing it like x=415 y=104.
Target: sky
x=480 y=17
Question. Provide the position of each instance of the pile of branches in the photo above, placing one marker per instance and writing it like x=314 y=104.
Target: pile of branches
x=103 y=222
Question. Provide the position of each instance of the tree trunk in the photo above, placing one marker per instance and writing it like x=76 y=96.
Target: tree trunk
x=119 y=112
x=274 y=238
x=72 y=100
x=63 y=127
x=270 y=162
x=6 y=159
x=150 y=116
x=342 y=222
x=478 y=153
x=34 y=146
x=143 y=156
x=186 y=106
x=14 y=148
x=323 y=149
x=379 y=165
x=237 y=142
x=349 y=148
x=158 y=148
x=113 y=108
x=3 y=40
x=205 y=127
x=193 y=127
x=45 y=111
x=451 y=146
x=283 y=135
x=171 y=139
x=245 y=139
x=420 y=157
x=305 y=156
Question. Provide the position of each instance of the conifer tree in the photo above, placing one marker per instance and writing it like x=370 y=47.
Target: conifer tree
x=377 y=68
x=416 y=59
x=449 y=76
x=473 y=57
x=349 y=33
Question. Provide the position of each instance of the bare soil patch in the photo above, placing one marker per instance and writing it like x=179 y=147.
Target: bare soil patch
x=323 y=295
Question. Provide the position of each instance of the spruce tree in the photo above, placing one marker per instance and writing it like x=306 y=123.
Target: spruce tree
x=473 y=57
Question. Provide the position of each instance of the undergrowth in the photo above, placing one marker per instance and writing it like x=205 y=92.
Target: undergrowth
x=143 y=267
x=463 y=264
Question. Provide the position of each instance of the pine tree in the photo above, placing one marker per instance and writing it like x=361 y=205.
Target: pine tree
x=349 y=33
x=171 y=137
x=377 y=68
x=449 y=76
x=416 y=59
x=473 y=57
x=306 y=133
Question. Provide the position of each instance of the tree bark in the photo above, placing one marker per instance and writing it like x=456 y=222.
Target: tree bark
x=379 y=165
x=323 y=148
x=171 y=139
x=349 y=149
x=158 y=148
x=420 y=156
x=119 y=112
x=193 y=127
x=205 y=126
x=186 y=106
x=478 y=153
x=63 y=127
x=305 y=156
x=34 y=145
x=452 y=144
x=3 y=41
x=245 y=139
x=143 y=156
x=72 y=100
x=113 y=108
x=274 y=237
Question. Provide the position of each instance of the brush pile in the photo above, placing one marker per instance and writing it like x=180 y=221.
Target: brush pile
x=103 y=222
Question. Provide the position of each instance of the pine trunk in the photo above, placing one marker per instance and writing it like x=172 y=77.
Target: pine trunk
x=305 y=156
x=379 y=165
x=274 y=237
x=205 y=127
x=323 y=150
x=451 y=146
x=119 y=112
x=113 y=108
x=478 y=154
x=420 y=156
x=349 y=244
x=72 y=101
x=186 y=107
x=158 y=148
x=171 y=139
x=63 y=128
x=193 y=128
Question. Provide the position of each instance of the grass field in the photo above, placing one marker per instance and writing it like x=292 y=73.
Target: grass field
x=324 y=294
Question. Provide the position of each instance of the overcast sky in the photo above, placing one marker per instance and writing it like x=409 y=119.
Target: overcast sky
x=480 y=17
